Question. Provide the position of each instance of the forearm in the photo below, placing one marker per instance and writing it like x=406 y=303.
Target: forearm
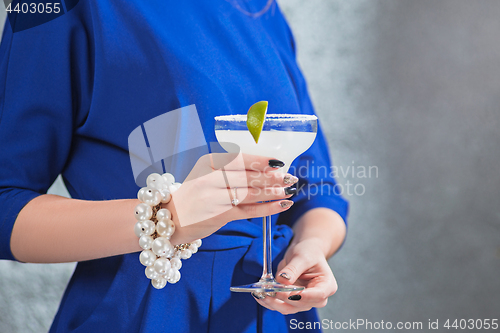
x=51 y=228
x=322 y=225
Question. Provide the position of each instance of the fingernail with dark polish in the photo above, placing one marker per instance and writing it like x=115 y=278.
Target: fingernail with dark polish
x=276 y=164
x=295 y=298
x=285 y=276
x=286 y=203
x=290 y=190
x=289 y=179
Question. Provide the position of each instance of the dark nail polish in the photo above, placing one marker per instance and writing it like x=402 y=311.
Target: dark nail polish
x=276 y=164
x=286 y=203
x=290 y=190
x=295 y=298
x=285 y=276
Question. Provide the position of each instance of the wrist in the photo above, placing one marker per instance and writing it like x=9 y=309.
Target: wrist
x=179 y=236
x=155 y=229
x=310 y=245
x=324 y=227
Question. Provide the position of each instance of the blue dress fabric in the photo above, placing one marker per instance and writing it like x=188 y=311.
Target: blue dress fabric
x=72 y=90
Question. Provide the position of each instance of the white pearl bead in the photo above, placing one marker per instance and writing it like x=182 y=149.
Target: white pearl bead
x=163 y=214
x=193 y=248
x=170 y=274
x=151 y=273
x=174 y=187
x=152 y=197
x=146 y=241
x=197 y=242
x=142 y=228
x=162 y=247
x=166 y=196
x=159 y=283
x=141 y=193
x=147 y=257
x=155 y=180
x=138 y=229
x=175 y=278
x=186 y=254
x=176 y=263
x=162 y=266
x=165 y=228
x=143 y=212
x=164 y=186
x=149 y=227
x=169 y=178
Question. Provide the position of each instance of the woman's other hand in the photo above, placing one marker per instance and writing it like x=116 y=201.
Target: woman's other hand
x=305 y=265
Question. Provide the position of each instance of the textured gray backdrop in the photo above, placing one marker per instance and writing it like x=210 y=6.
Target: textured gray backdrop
x=409 y=88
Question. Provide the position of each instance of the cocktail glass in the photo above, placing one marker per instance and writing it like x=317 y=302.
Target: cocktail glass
x=284 y=137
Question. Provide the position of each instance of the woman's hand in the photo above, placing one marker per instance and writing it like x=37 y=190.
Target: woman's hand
x=304 y=264
x=318 y=234
x=203 y=204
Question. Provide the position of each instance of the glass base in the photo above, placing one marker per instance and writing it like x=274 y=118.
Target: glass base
x=265 y=286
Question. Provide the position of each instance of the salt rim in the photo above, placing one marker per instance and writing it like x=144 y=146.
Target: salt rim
x=280 y=116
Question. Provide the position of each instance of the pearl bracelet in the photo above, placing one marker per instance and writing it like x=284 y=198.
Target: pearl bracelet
x=154 y=229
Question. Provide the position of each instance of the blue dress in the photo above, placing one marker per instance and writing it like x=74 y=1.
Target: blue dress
x=72 y=90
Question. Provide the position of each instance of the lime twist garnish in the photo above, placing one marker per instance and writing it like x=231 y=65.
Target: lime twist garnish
x=255 y=119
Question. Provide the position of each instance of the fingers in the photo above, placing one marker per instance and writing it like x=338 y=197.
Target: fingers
x=275 y=304
x=316 y=296
x=259 y=209
x=235 y=162
x=256 y=179
x=245 y=195
x=318 y=288
x=240 y=170
x=302 y=269
x=254 y=195
x=293 y=269
x=287 y=303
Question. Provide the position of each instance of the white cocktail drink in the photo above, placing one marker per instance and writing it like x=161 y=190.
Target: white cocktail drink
x=282 y=145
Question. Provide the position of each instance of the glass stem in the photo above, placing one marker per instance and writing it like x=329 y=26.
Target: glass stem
x=267 y=274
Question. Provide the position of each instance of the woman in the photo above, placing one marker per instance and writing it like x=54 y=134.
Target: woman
x=74 y=88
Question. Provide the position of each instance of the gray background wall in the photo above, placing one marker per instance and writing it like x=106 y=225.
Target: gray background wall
x=409 y=87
